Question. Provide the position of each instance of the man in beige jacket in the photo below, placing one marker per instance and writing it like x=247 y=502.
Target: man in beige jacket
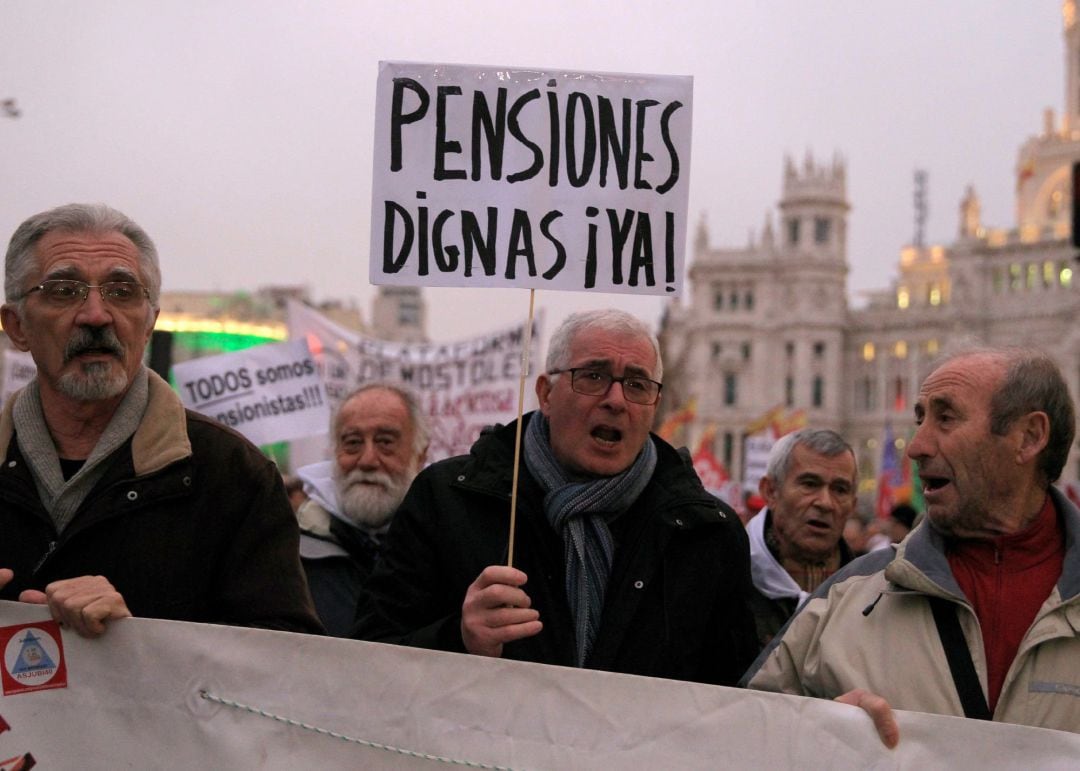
x=977 y=612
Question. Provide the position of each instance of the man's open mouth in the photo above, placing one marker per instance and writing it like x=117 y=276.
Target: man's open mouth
x=367 y=483
x=607 y=434
x=95 y=352
x=932 y=483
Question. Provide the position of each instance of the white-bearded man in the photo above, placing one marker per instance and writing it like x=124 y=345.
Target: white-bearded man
x=380 y=442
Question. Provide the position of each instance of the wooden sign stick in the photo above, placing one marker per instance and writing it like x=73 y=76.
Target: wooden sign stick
x=517 y=437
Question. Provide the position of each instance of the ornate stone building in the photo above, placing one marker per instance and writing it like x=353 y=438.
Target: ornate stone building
x=770 y=325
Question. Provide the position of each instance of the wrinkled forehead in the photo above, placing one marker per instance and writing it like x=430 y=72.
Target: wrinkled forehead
x=594 y=346
x=374 y=409
x=972 y=378
x=76 y=254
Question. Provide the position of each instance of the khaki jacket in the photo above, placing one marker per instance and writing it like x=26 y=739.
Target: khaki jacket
x=871 y=627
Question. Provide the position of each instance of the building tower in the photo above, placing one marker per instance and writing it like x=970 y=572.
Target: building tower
x=809 y=313
x=1072 y=67
x=764 y=327
x=814 y=213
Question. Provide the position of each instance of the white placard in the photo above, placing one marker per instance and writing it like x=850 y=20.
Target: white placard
x=19 y=369
x=269 y=393
x=756 y=449
x=545 y=179
x=168 y=694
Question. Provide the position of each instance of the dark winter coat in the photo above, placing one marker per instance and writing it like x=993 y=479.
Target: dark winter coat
x=675 y=605
x=189 y=522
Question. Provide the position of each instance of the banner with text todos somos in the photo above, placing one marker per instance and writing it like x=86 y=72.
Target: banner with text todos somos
x=269 y=393
x=168 y=694
x=462 y=386
x=543 y=179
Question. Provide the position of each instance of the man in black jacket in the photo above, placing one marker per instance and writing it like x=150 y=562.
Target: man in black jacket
x=622 y=561
x=796 y=542
x=115 y=501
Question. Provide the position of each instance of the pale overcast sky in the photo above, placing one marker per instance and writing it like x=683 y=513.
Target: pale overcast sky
x=239 y=132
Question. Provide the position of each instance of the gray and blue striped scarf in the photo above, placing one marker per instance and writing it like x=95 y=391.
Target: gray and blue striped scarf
x=579 y=512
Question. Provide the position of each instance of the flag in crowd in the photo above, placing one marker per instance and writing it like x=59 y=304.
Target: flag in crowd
x=712 y=472
x=676 y=420
x=898 y=479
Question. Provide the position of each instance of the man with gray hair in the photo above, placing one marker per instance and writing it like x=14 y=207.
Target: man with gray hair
x=977 y=612
x=115 y=500
x=380 y=443
x=621 y=561
x=796 y=541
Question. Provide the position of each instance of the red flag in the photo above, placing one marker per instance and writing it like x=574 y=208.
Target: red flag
x=709 y=469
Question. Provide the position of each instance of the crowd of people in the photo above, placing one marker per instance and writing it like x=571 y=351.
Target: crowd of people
x=116 y=501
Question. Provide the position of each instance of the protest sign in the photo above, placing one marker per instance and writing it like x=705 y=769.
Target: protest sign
x=543 y=179
x=19 y=369
x=756 y=449
x=462 y=386
x=761 y=434
x=168 y=694
x=269 y=393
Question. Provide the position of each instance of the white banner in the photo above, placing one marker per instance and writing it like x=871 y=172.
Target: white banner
x=756 y=449
x=548 y=179
x=462 y=386
x=269 y=393
x=167 y=694
x=19 y=369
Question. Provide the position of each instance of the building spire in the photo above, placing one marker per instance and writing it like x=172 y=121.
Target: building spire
x=1072 y=66
x=970 y=214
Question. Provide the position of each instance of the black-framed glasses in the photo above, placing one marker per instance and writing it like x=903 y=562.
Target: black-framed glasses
x=69 y=291
x=596 y=382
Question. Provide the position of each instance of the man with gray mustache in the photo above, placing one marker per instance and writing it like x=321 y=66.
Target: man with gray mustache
x=380 y=444
x=99 y=380
x=114 y=500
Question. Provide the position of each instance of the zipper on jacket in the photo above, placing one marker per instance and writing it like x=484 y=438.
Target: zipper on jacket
x=870 y=608
x=44 y=557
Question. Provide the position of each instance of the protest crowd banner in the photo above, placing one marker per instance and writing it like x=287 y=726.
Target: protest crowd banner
x=269 y=393
x=761 y=435
x=541 y=179
x=19 y=369
x=169 y=694
x=462 y=386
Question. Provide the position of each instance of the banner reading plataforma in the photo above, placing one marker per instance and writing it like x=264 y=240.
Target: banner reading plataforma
x=463 y=386
x=155 y=694
x=543 y=179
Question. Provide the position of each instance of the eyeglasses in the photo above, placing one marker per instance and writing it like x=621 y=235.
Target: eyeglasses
x=594 y=382
x=65 y=291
